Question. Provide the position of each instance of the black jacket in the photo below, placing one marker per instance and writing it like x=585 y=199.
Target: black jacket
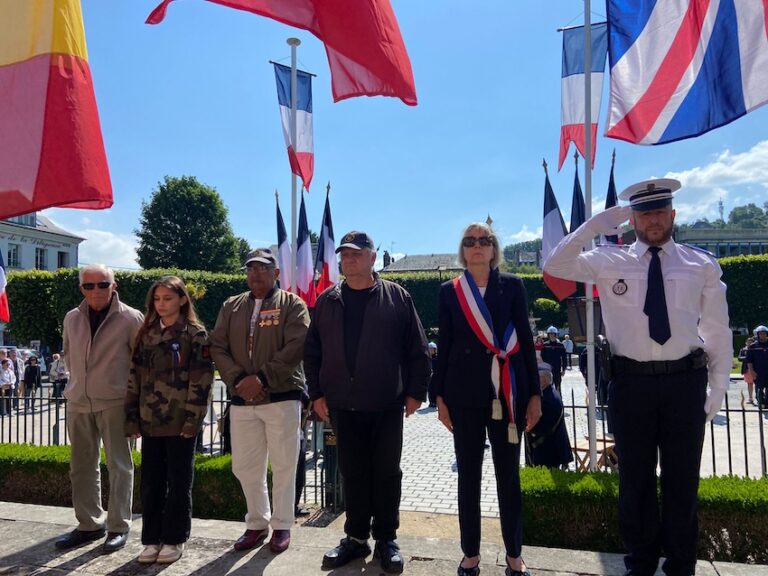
x=392 y=357
x=463 y=372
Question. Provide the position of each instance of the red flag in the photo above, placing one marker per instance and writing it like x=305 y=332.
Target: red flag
x=51 y=150
x=362 y=40
x=554 y=231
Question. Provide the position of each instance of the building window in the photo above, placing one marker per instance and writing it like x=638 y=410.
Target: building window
x=14 y=256
x=41 y=259
x=63 y=261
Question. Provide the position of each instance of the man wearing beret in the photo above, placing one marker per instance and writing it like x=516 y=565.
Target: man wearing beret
x=673 y=299
x=365 y=359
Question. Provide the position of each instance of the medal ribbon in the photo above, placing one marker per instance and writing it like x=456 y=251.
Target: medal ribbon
x=479 y=319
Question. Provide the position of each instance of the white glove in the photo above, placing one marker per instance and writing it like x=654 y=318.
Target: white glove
x=714 y=402
x=608 y=221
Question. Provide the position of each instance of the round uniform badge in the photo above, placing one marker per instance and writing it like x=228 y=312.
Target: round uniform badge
x=620 y=288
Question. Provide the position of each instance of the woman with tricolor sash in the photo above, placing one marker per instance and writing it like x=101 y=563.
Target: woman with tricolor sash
x=486 y=381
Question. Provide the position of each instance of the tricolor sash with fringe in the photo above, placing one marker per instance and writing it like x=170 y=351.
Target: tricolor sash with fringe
x=479 y=319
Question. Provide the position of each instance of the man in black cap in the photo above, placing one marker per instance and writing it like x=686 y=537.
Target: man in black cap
x=365 y=357
x=257 y=344
x=666 y=318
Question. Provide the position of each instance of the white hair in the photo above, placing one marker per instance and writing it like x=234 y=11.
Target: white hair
x=101 y=269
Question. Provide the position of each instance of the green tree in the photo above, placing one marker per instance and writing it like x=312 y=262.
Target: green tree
x=186 y=225
x=243 y=247
x=749 y=216
x=548 y=312
x=511 y=250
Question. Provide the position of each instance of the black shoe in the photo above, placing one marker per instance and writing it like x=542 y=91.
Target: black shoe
x=78 y=538
x=388 y=553
x=346 y=551
x=115 y=541
x=474 y=571
x=510 y=572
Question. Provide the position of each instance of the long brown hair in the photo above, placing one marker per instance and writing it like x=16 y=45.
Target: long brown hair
x=175 y=284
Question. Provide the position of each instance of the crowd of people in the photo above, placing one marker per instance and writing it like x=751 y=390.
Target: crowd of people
x=20 y=379
x=362 y=359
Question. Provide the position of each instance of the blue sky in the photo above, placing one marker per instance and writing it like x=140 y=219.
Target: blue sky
x=195 y=95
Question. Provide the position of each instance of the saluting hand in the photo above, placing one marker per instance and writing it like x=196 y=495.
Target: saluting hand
x=608 y=221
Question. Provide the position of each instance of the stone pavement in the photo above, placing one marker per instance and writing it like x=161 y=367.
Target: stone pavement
x=429 y=465
x=28 y=532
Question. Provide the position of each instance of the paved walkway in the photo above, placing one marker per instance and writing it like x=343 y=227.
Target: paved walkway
x=28 y=532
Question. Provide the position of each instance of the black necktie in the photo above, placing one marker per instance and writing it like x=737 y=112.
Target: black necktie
x=655 y=301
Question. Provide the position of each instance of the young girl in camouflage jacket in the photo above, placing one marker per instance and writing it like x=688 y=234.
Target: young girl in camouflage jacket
x=166 y=402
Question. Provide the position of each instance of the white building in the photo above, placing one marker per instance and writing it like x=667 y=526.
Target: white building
x=33 y=242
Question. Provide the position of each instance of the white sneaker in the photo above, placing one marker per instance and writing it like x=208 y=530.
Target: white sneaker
x=170 y=553
x=149 y=554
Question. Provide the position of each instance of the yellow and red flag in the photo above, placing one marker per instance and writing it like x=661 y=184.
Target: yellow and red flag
x=51 y=149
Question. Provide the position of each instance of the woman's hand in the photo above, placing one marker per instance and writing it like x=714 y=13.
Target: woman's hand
x=443 y=415
x=532 y=413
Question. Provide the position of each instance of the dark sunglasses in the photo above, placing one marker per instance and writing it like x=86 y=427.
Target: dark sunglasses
x=471 y=241
x=92 y=285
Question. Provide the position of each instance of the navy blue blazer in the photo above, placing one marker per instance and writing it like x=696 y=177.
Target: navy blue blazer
x=462 y=375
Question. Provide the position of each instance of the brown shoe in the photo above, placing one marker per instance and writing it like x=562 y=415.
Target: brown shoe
x=280 y=541
x=250 y=539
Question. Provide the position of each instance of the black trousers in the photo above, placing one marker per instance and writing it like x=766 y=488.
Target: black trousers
x=369 y=446
x=469 y=431
x=167 y=472
x=659 y=415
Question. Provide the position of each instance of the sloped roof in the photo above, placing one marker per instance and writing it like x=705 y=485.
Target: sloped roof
x=424 y=262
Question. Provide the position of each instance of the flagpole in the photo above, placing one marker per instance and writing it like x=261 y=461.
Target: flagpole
x=592 y=404
x=293 y=43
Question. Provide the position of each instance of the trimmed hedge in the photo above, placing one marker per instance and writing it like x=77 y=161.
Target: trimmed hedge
x=560 y=509
x=39 y=300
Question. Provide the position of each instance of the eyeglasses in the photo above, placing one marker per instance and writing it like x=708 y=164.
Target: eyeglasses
x=259 y=267
x=92 y=285
x=471 y=241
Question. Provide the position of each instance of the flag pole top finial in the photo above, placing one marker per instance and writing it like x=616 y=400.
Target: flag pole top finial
x=489 y=221
x=328 y=188
x=277 y=195
x=544 y=163
x=576 y=158
x=613 y=157
x=293 y=41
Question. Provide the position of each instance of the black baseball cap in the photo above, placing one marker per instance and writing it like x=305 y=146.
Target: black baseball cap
x=355 y=240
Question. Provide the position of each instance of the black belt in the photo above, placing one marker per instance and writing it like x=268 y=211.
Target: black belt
x=695 y=360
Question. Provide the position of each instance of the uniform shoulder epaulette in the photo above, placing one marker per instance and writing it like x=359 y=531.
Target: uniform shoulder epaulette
x=698 y=249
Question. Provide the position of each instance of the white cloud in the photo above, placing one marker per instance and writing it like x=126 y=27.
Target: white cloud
x=102 y=247
x=523 y=235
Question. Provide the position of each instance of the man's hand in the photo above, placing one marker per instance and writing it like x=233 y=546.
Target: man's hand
x=713 y=403
x=608 y=221
x=411 y=405
x=443 y=415
x=320 y=406
x=532 y=413
x=251 y=389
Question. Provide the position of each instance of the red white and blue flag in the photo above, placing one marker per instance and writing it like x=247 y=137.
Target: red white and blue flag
x=578 y=207
x=553 y=232
x=611 y=200
x=305 y=271
x=283 y=251
x=301 y=154
x=5 y=313
x=326 y=264
x=680 y=68
x=572 y=105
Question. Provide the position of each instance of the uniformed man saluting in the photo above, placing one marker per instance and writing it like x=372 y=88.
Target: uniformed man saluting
x=671 y=298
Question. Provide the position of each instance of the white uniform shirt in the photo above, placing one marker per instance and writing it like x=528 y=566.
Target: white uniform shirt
x=695 y=295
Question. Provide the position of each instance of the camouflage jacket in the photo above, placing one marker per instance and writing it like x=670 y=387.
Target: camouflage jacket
x=170 y=381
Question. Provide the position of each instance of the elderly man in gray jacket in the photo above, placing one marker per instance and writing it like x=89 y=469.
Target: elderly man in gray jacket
x=98 y=338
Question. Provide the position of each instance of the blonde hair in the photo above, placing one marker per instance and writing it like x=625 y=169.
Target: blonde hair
x=496 y=260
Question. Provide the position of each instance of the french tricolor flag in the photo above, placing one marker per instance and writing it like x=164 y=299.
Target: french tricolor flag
x=283 y=251
x=305 y=271
x=326 y=263
x=301 y=153
x=572 y=106
x=553 y=232
x=680 y=68
x=5 y=313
